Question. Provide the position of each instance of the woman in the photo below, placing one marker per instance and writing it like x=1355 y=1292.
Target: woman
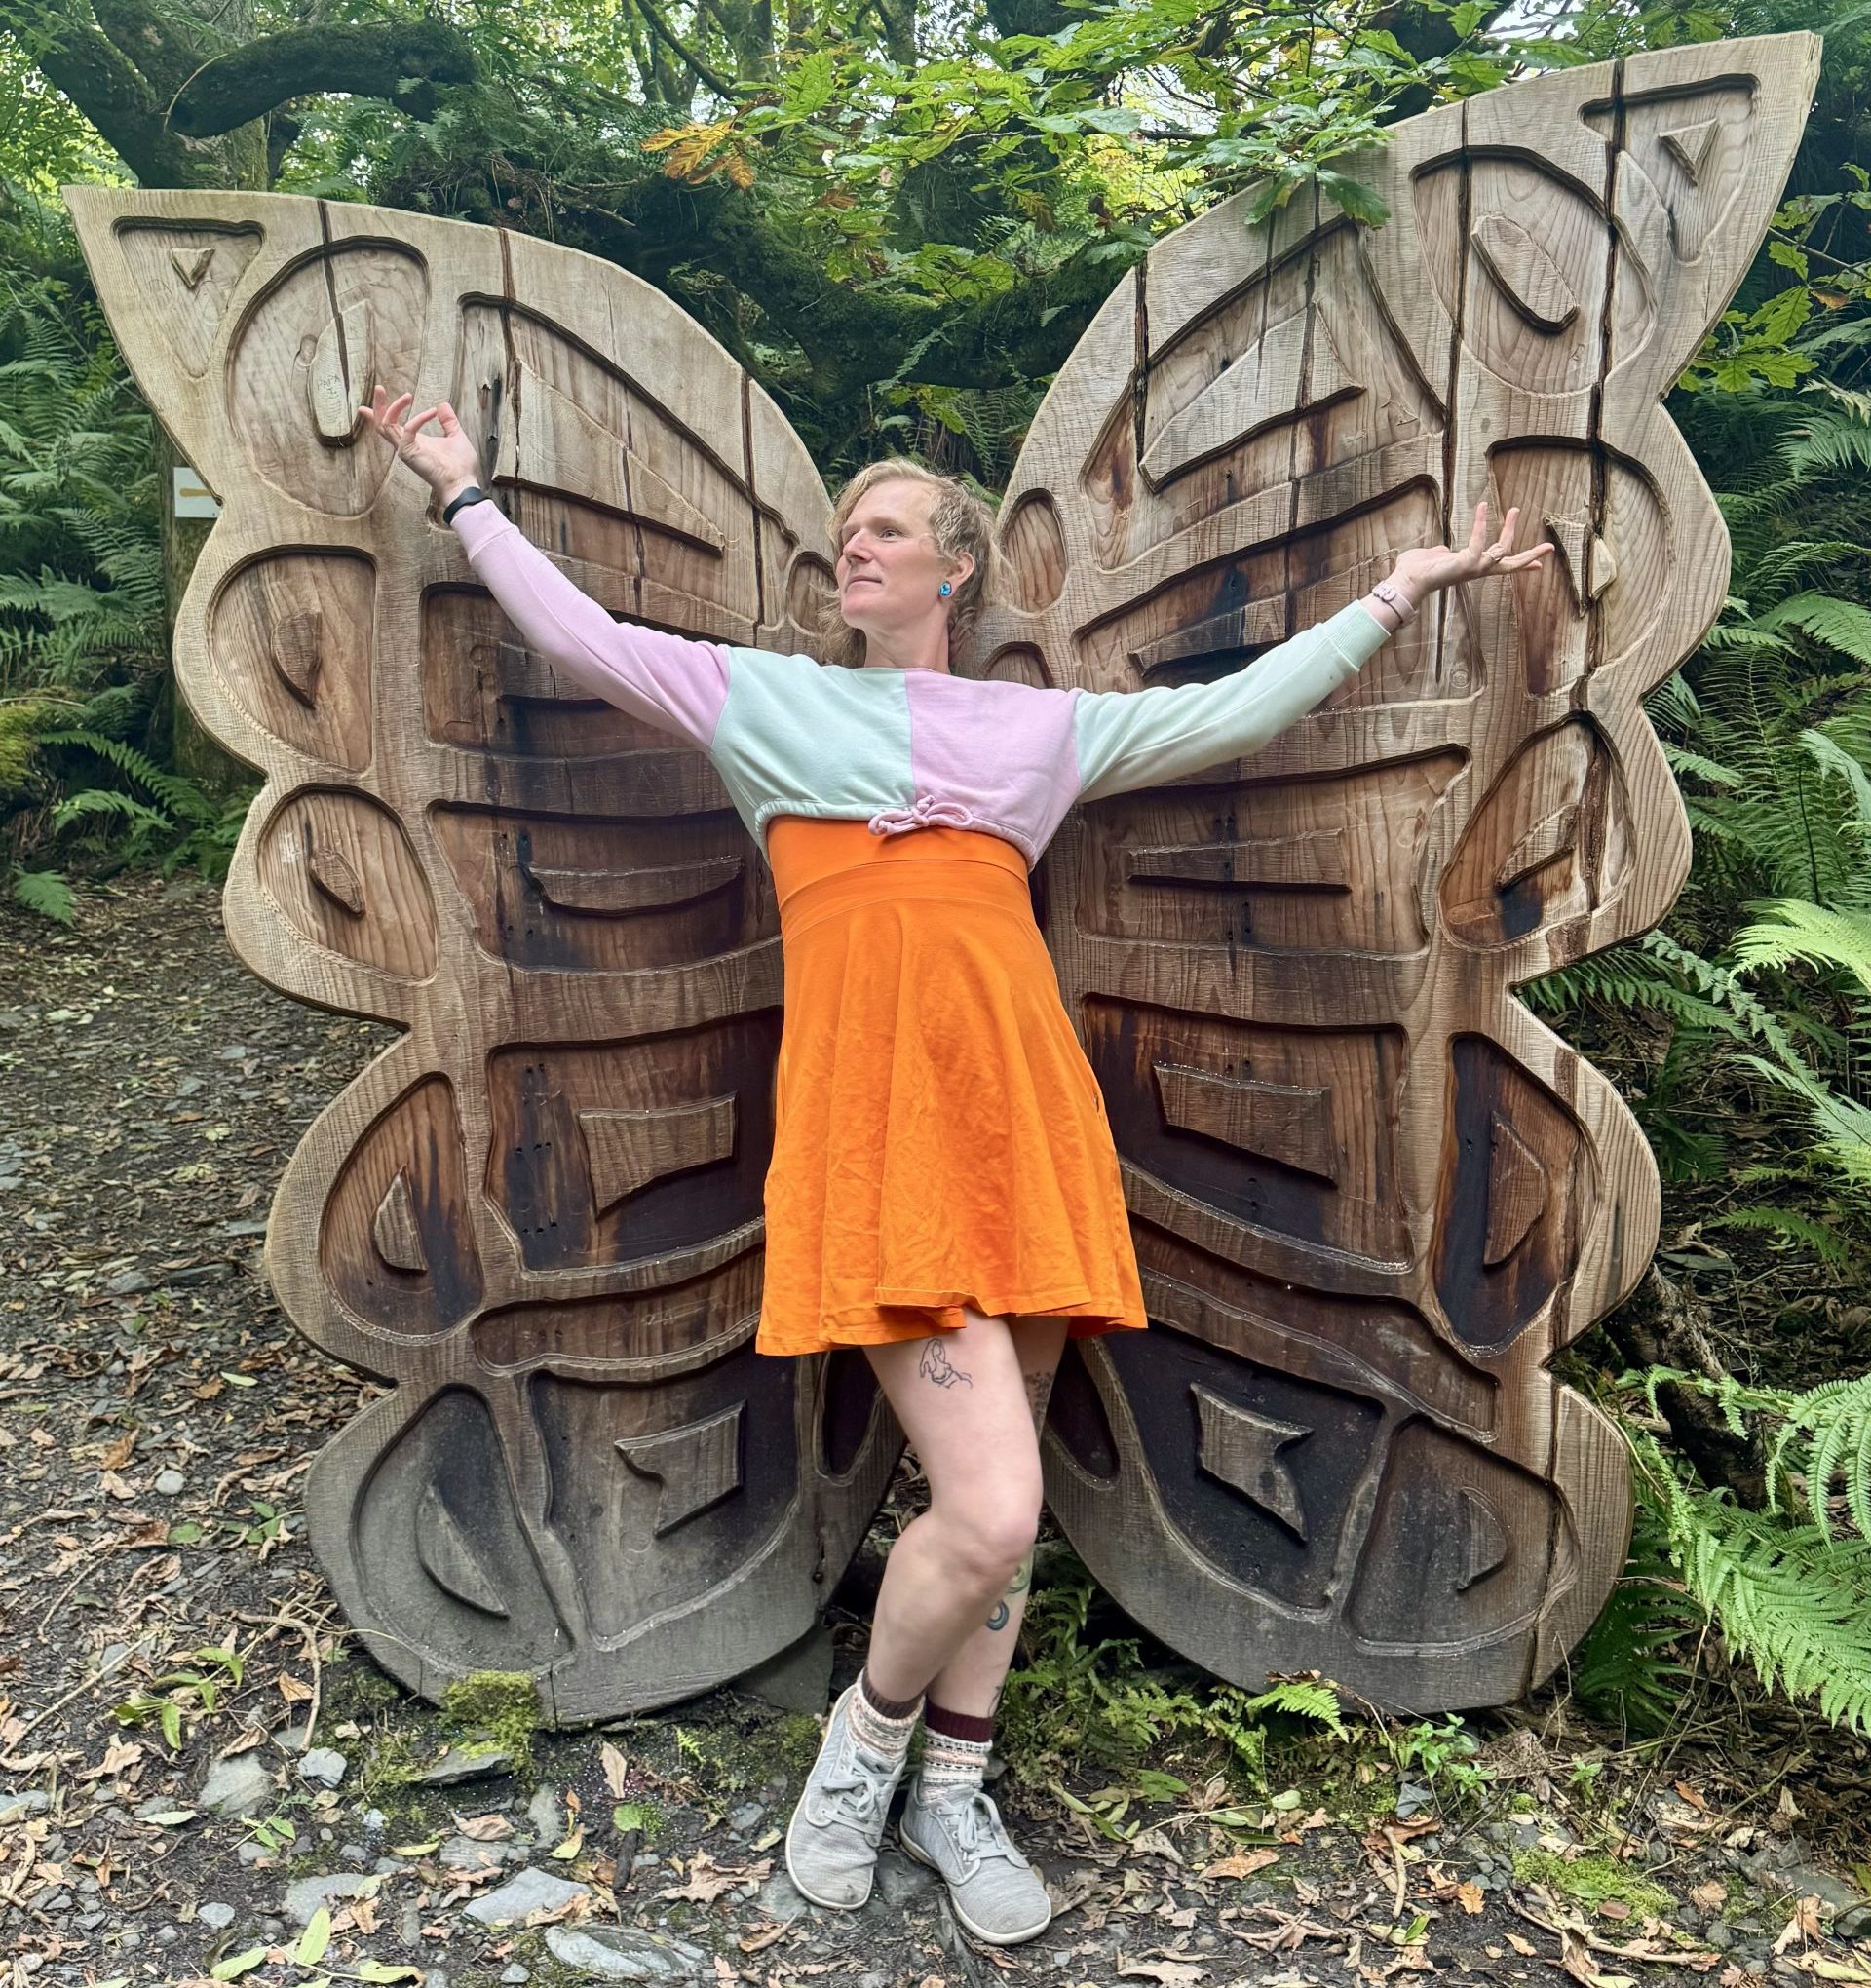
x=943 y=1190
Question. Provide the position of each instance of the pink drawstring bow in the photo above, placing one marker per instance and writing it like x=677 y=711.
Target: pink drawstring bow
x=930 y=812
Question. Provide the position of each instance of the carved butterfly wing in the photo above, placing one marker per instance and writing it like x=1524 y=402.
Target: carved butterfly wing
x=539 y=1213
x=1372 y=1195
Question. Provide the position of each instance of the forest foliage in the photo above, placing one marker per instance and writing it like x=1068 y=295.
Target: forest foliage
x=900 y=216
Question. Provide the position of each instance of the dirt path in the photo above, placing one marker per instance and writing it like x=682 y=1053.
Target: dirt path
x=157 y=1418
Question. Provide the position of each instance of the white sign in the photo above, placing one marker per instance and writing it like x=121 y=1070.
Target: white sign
x=193 y=497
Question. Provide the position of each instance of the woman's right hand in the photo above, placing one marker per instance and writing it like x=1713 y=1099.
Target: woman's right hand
x=448 y=462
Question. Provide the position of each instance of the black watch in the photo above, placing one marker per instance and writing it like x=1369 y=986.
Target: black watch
x=473 y=494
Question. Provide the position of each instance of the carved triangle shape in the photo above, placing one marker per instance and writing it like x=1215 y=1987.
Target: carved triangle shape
x=1691 y=144
x=697 y=1466
x=449 y=1559
x=1486 y=1540
x=394 y=1231
x=1242 y=1450
x=1518 y=1189
x=626 y=1150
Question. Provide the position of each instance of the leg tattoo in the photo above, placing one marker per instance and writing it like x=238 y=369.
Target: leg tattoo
x=1022 y=1579
x=936 y=1365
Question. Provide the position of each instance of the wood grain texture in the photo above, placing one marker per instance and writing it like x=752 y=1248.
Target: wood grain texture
x=539 y=1213
x=1371 y=1195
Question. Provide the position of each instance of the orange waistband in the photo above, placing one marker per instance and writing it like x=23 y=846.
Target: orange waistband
x=822 y=867
x=803 y=849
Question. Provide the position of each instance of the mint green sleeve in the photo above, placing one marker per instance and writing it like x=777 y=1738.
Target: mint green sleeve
x=1135 y=739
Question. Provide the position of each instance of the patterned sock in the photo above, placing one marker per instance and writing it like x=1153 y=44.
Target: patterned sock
x=884 y=1725
x=955 y=1749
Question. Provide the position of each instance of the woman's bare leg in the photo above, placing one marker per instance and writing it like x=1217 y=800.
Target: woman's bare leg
x=972 y=1679
x=961 y=1399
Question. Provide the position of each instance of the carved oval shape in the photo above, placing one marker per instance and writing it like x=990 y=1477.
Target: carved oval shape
x=1033 y=551
x=289 y=639
x=439 y=1549
x=341 y=871
x=396 y=1237
x=314 y=346
x=1549 y=847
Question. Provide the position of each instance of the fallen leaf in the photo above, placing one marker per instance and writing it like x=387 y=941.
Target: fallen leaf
x=1471 y=1898
x=1243 y=1866
x=1170 y=1974
x=489 y=1828
x=1523 y=1947
x=616 y=1769
x=1693 y=1796
x=1802 y=1927
x=120 y=1452
x=706 y=1880
x=570 y=1848
x=237 y=1965
x=1711 y=1896
x=314 y=1940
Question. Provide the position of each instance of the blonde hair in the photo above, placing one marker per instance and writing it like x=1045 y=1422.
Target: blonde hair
x=960 y=524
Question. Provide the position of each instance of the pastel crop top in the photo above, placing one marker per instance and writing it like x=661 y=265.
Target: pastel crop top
x=905 y=749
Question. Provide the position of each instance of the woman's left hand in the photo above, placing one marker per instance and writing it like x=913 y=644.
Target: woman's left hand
x=1425 y=568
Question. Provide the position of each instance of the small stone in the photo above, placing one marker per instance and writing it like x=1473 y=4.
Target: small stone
x=169 y=1483
x=1834 y=1894
x=1855 y=1922
x=273 y=1929
x=215 y=1914
x=324 y=1765
x=529 y=1891
x=305 y=1896
x=625 y=1953
x=547 y=1815
x=251 y=1852
x=900 y=1880
x=463 y=1853
x=409 y=1931
x=239 y=1787
x=513 y=1974
x=779 y=1899
x=462 y=1764
x=33 y=1802
x=435 y=1978
x=89 y=1921
x=375 y=1821
x=167 y=1935
x=353 y=1854
x=745 y=1819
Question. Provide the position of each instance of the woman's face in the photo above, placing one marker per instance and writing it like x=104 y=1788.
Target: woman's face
x=888 y=571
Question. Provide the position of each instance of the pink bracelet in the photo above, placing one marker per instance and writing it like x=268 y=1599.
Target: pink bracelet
x=1395 y=600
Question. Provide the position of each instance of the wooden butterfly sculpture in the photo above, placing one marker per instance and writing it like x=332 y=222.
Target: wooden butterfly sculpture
x=1372 y=1195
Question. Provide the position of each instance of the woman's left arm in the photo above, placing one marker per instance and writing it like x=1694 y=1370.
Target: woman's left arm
x=1134 y=738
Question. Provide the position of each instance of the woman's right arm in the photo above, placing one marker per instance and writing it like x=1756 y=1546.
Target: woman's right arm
x=667 y=680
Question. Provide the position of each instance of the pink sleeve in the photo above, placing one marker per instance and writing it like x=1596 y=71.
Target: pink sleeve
x=667 y=680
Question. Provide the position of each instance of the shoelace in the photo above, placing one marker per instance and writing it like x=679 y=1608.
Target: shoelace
x=856 y=1797
x=931 y=811
x=977 y=1823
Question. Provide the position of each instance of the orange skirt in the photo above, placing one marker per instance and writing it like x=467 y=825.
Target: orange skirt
x=939 y=1140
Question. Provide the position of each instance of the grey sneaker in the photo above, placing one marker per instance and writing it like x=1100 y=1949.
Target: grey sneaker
x=996 y=1893
x=832 y=1839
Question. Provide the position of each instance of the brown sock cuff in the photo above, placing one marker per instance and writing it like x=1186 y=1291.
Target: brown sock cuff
x=885 y=1708
x=955 y=1725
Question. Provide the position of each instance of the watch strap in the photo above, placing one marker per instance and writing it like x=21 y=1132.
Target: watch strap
x=473 y=494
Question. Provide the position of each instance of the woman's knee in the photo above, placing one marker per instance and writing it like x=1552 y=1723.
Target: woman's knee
x=990 y=1541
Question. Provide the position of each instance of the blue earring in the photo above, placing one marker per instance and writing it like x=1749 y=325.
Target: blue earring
x=948 y=589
